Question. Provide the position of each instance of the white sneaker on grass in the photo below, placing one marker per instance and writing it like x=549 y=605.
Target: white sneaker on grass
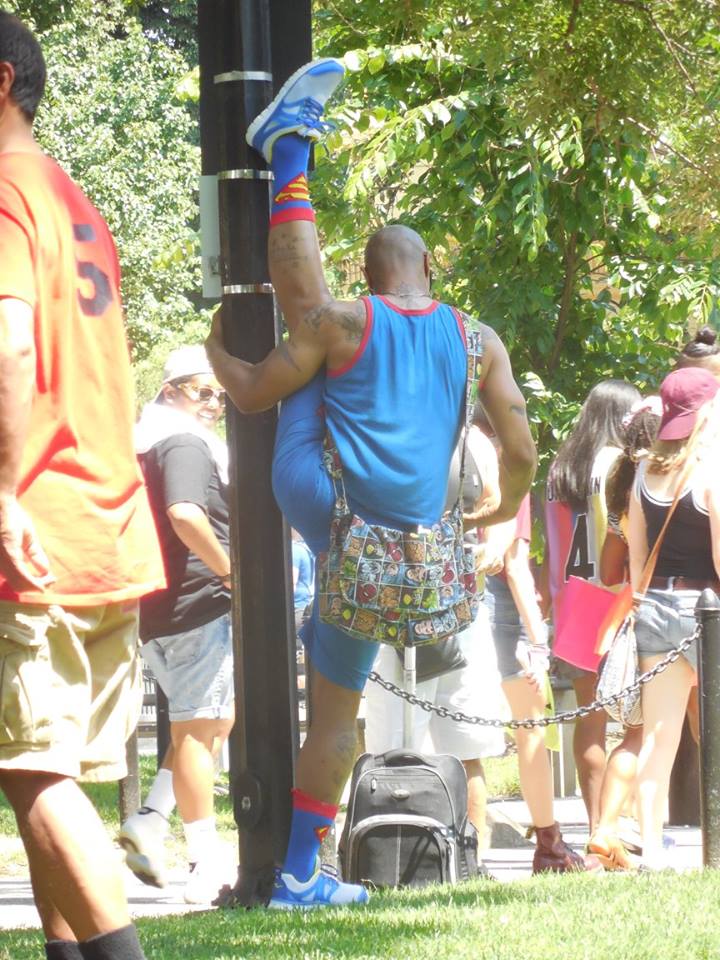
x=142 y=837
x=210 y=874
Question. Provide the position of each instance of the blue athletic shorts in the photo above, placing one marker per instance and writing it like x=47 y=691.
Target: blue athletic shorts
x=305 y=495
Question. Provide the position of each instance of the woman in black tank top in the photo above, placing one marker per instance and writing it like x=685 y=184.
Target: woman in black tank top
x=688 y=561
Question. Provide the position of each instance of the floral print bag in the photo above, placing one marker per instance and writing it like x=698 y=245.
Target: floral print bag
x=392 y=586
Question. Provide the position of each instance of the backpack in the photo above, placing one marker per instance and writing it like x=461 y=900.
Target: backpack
x=407 y=821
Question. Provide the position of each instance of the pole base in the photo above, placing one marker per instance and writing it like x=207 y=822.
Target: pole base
x=253 y=888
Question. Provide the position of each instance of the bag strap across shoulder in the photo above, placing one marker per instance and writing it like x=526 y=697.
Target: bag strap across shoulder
x=474 y=346
x=649 y=568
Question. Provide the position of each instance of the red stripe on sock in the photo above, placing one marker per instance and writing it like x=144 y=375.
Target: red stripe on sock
x=293 y=213
x=303 y=801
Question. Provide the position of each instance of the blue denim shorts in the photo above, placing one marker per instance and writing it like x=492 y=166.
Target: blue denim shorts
x=663 y=619
x=195 y=670
x=507 y=628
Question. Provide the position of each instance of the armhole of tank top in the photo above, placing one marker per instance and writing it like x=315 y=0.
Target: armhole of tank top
x=339 y=371
x=461 y=325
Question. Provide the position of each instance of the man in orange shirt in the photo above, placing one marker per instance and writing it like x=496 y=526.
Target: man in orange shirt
x=77 y=540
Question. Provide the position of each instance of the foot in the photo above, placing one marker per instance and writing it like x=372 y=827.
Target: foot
x=142 y=837
x=209 y=875
x=298 y=106
x=323 y=889
x=553 y=855
x=609 y=850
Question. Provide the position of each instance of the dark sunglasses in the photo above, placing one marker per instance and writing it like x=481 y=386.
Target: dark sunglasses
x=201 y=394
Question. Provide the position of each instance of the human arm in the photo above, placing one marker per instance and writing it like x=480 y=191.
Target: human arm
x=522 y=586
x=505 y=408
x=182 y=476
x=22 y=560
x=613 y=559
x=638 y=549
x=713 y=505
x=191 y=524
x=485 y=457
x=328 y=335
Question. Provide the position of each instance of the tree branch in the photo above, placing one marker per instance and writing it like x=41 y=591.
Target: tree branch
x=570 y=259
x=668 y=41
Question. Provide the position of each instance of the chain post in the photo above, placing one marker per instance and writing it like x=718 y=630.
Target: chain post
x=707 y=612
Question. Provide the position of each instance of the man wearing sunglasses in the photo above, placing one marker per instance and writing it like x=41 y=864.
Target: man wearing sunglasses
x=186 y=627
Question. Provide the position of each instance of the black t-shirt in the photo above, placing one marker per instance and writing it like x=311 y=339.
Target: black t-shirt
x=182 y=470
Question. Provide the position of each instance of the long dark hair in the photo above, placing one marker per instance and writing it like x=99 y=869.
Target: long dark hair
x=640 y=435
x=598 y=425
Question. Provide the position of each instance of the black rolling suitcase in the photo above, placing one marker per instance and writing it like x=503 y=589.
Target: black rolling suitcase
x=407 y=821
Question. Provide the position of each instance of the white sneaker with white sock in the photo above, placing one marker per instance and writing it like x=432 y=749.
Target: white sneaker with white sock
x=213 y=862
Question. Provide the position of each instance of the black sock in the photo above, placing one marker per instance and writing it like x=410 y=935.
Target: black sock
x=62 y=950
x=122 y=944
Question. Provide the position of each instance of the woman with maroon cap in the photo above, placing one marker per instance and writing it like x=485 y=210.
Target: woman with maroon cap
x=688 y=561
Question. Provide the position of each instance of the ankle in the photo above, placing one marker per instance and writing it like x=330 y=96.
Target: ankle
x=62 y=950
x=122 y=944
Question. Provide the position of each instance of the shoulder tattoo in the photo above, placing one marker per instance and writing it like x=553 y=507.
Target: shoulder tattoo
x=344 y=318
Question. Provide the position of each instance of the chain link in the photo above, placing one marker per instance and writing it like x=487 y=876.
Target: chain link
x=528 y=723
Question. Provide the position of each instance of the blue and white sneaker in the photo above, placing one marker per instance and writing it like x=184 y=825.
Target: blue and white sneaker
x=298 y=106
x=323 y=889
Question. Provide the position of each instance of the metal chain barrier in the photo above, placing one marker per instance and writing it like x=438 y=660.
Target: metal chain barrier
x=566 y=717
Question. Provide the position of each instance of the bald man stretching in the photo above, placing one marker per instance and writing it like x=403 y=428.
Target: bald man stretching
x=386 y=375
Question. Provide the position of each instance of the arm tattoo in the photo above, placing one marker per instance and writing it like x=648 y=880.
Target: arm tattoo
x=346 y=317
x=517 y=408
x=283 y=350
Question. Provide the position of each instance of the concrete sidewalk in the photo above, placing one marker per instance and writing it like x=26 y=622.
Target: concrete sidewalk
x=510 y=858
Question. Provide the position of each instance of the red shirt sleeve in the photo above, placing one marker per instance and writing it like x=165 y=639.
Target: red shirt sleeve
x=17 y=259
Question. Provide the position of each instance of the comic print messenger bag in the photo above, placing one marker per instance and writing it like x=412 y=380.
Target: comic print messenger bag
x=397 y=587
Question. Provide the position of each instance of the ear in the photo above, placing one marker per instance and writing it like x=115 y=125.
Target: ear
x=368 y=281
x=426 y=264
x=7 y=79
x=168 y=392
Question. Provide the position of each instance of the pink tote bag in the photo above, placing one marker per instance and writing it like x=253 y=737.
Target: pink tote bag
x=582 y=609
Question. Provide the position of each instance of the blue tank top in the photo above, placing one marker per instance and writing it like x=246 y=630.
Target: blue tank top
x=395 y=411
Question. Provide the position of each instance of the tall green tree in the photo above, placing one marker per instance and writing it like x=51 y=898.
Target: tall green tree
x=117 y=117
x=560 y=159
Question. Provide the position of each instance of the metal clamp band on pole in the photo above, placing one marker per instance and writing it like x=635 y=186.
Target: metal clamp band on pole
x=233 y=76
x=246 y=175
x=231 y=289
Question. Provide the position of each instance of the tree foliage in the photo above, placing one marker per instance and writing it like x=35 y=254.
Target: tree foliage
x=561 y=161
x=116 y=117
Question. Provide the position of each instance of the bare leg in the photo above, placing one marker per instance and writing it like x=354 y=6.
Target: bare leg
x=533 y=760
x=477 y=797
x=195 y=743
x=619 y=778
x=664 y=702
x=72 y=861
x=589 y=748
x=328 y=753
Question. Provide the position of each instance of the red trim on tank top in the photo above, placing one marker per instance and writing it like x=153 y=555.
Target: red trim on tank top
x=461 y=325
x=408 y=313
x=339 y=371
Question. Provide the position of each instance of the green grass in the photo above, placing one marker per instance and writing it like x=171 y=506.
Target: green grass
x=664 y=917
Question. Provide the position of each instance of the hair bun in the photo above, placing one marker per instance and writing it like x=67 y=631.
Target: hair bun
x=706 y=335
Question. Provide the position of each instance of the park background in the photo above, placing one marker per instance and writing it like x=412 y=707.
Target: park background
x=560 y=157
x=562 y=160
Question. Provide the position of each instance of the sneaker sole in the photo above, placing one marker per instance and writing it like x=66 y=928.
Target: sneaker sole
x=140 y=865
x=284 y=905
x=264 y=115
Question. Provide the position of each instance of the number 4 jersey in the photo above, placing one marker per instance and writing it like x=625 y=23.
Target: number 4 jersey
x=80 y=481
x=574 y=537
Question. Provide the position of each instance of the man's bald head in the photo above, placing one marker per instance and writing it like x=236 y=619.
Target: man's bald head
x=396 y=254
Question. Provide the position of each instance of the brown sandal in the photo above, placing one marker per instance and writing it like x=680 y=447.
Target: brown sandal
x=609 y=850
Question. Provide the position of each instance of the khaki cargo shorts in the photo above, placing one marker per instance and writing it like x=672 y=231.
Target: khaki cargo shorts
x=70 y=688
